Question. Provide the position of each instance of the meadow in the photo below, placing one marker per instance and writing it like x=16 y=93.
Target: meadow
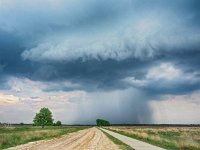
x=12 y=136
x=176 y=138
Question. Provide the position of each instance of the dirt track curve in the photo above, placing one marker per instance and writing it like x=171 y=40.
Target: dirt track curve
x=89 y=139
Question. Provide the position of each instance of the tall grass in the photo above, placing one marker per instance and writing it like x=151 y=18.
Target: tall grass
x=10 y=137
x=180 y=138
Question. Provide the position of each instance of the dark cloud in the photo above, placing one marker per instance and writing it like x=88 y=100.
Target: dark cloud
x=102 y=72
x=104 y=46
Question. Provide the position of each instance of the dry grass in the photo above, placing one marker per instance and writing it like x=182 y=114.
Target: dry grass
x=14 y=136
x=183 y=138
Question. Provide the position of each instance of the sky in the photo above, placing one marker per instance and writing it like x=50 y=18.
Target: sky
x=130 y=61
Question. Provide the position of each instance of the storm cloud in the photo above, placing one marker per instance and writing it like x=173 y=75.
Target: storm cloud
x=120 y=55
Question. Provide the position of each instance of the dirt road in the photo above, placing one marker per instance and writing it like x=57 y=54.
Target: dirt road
x=89 y=139
x=136 y=144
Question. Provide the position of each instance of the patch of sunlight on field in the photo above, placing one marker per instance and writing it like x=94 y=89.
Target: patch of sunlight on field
x=184 y=138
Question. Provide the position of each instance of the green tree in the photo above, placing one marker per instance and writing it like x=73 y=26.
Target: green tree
x=43 y=118
x=58 y=123
x=21 y=124
x=101 y=122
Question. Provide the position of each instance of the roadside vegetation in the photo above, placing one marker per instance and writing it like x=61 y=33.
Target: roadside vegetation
x=180 y=138
x=121 y=145
x=14 y=136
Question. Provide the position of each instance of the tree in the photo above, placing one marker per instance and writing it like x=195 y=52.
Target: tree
x=21 y=124
x=101 y=122
x=58 y=123
x=43 y=118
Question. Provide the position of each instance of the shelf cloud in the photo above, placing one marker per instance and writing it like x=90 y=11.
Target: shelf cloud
x=125 y=56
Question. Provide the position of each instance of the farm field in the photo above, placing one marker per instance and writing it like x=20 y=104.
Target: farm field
x=176 y=138
x=13 y=136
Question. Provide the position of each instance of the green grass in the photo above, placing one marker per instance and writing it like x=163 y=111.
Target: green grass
x=14 y=136
x=168 y=138
x=121 y=145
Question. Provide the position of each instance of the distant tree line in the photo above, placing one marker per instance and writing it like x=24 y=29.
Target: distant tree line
x=102 y=122
x=45 y=118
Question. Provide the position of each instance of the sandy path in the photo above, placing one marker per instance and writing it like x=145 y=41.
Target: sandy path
x=89 y=139
x=136 y=144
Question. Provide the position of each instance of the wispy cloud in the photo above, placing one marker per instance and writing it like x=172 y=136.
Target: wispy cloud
x=8 y=99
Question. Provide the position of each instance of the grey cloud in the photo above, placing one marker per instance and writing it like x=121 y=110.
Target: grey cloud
x=97 y=45
x=102 y=59
x=124 y=106
x=56 y=17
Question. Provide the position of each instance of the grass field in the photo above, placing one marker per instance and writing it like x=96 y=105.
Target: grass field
x=13 y=136
x=179 y=138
